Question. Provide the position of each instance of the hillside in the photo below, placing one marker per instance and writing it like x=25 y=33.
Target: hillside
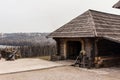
x=25 y=39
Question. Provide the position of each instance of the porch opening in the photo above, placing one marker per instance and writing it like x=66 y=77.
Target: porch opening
x=109 y=52
x=108 y=48
x=73 y=49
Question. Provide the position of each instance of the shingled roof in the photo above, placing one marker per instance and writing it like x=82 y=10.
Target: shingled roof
x=117 y=5
x=91 y=24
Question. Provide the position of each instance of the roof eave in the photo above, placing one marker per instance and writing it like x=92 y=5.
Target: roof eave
x=117 y=5
x=69 y=36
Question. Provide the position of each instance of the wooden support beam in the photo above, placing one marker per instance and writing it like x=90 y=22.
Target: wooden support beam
x=65 y=48
x=96 y=48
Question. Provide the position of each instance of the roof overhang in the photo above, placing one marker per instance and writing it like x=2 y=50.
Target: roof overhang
x=117 y=5
x=112 y=39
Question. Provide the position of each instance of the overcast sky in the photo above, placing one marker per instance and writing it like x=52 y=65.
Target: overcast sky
x=46 y=15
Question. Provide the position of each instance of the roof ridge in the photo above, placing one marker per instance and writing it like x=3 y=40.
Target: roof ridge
x=91 y=10
x=95 y=32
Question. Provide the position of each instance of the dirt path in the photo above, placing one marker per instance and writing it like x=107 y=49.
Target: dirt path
x=61 y=73
x=25 y=64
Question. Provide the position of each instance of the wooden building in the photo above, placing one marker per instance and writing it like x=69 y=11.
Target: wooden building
x=96 y=33
x=117 y=5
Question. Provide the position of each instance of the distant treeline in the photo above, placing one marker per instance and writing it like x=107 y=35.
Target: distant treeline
x=30 y=44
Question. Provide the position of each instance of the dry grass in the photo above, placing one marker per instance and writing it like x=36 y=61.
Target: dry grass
x=44 y=57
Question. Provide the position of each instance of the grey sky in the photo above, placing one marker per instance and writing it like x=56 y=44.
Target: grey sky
x=46 y=15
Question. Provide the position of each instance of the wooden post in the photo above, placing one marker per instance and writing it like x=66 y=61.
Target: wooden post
x=65 y=48
x=82 y=45
x=89 y=48
x=58 y=47
x=96 y=48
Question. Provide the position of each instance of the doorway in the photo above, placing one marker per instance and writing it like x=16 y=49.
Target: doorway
x=73 y=49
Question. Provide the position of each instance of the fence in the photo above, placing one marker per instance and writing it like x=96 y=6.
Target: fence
x=34 y=51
